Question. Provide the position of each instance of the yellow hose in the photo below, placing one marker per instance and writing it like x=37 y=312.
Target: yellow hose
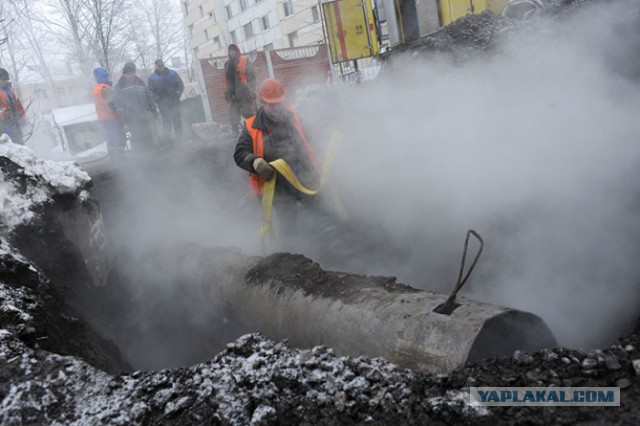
x=281 y=166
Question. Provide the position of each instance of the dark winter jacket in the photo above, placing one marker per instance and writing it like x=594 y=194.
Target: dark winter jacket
x=166 y=87
x=240 y=85
x=281 y=140
x=134 y=101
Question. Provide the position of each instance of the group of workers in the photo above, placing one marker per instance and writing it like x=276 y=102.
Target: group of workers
x=271 y=130
x=133 y=104
x=130 y=104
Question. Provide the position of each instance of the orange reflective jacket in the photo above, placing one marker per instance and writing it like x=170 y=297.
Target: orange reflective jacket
x=5 y=105
x=257 y=183
x=242 y=69
x=102 y=108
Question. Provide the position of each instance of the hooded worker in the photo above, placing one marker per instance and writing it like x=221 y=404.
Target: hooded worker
x=103 y=98
x=275 y=132
x=239 y=87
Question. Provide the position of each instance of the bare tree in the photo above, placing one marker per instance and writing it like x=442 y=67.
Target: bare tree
x=140 y=37
x=74 y=32
x=108 y=25
x=26 y=23
x=158 y=30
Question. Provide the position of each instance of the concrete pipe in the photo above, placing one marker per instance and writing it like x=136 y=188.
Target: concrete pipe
x=287 y=296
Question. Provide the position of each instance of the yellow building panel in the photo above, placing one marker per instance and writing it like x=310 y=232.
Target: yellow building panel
x=351 y=29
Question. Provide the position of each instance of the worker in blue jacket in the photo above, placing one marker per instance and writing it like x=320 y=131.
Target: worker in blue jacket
x=166 y=86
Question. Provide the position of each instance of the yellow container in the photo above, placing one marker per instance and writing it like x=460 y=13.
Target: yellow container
x=351 y=29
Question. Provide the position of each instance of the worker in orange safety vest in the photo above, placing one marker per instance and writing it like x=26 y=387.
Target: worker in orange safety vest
x=11 y=110
x=275 y=132
x=239 y=87
x=103 y=98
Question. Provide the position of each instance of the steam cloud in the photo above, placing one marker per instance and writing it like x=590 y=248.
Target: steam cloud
x=535 y=147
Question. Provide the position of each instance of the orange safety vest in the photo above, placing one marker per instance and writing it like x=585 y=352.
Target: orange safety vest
x=257 y=183
x=242 y=69
x=4 y=104
x=102 y=108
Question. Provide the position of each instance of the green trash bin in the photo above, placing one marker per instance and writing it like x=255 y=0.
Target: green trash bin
x=192 y=111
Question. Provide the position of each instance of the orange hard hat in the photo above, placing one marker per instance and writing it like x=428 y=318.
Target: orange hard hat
x=271 y=91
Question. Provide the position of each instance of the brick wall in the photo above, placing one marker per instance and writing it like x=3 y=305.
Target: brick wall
x=294 y=68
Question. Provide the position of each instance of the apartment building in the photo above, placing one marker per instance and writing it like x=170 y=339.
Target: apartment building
x=252 y=24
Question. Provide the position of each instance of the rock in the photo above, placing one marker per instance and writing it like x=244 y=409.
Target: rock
x=549 y=355
x=623 y=383
x=340 y=400
x=636 y=366
x=522 y=358
x=589 y=363
x=629 y=348
x=263 y=415
x=612 y=362
x=176 y=406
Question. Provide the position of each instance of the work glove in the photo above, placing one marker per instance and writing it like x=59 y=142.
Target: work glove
x=264 y=169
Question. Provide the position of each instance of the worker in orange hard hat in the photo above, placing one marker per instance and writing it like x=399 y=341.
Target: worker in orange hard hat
x=275 y=132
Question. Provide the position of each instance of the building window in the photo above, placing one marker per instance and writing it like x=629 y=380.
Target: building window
x=229 y=11
x=216 y=41
x=248 y=30
x=186 y=8
x=292 y=38
x=243 y=5
x=265 y=22
x=315 y=12
x=212 y=16
x=201 y=10
x=206 y=34
x=234 y=37
x=191 y=30
x=288 y=7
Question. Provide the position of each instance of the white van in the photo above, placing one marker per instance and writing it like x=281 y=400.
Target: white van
x=78 y=131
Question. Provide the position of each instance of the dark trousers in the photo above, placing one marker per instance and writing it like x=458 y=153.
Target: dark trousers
x=287 y=200
x=240 y=108
x=142 y=138
x=172 y=121
x=114 y=135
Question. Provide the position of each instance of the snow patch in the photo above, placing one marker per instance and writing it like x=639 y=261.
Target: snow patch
x=53 y=178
